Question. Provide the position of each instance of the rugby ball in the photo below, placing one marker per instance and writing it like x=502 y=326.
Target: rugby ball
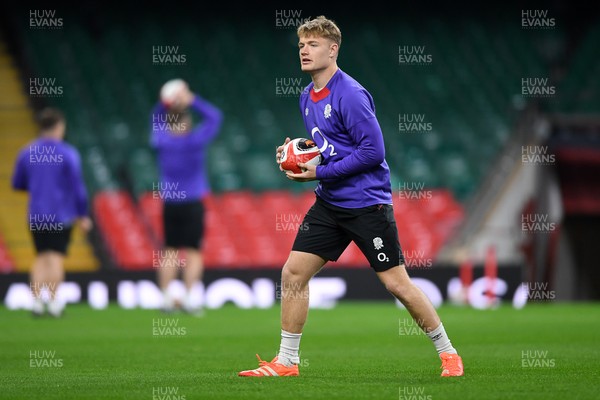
x=171 y=91
x=299 y=150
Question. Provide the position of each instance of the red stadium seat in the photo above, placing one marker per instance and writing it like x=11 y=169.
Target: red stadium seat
x=6 y=263
x=127 y=238
x=151 y=209
x=306 y=200
x=248 y=230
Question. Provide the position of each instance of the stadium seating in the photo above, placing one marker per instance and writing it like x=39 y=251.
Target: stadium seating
x=578 y=91
x=470 y=99
x=126 y=238
x=246 y=229
x=6 y=263
x=111 y=85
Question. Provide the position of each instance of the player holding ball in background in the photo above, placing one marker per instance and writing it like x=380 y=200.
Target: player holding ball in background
x=181 y=150
x=353 y=202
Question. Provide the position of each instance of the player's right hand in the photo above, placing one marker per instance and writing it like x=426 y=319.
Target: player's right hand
x=278 y=151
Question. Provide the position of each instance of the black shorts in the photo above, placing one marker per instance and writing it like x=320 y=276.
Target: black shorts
x=52 y=239
x=183 y=224
x=327 y=230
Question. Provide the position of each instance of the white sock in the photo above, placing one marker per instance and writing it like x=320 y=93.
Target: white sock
x=38 y=306
x=168 y=301
x=55 y=307
x=440 y=340
x=289 y=348
x=188 y=300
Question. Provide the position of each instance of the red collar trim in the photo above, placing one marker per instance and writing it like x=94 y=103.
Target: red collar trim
x=320 y=95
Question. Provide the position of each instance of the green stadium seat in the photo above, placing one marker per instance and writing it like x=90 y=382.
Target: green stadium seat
x=467 y=93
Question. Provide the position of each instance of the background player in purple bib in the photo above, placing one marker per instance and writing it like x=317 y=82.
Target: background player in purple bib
x=181 y=150
x=50 y=171
x=354 y=201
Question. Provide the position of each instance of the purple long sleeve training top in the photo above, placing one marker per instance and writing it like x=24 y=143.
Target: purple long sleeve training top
x=50 y=170
x=341 y=120
x=181 y=157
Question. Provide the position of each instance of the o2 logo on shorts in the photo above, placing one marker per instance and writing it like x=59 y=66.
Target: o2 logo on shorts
x=383 y=257
x=325 y=145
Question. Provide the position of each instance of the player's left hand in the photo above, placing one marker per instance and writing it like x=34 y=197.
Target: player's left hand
x=309 y=175
x=183 y=99
x=85 y=224
x=187 y=97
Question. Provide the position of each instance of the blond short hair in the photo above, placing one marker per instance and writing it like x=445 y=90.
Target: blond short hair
x=321 y=27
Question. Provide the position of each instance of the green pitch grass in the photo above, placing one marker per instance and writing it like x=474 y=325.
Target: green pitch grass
x=355 y=351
